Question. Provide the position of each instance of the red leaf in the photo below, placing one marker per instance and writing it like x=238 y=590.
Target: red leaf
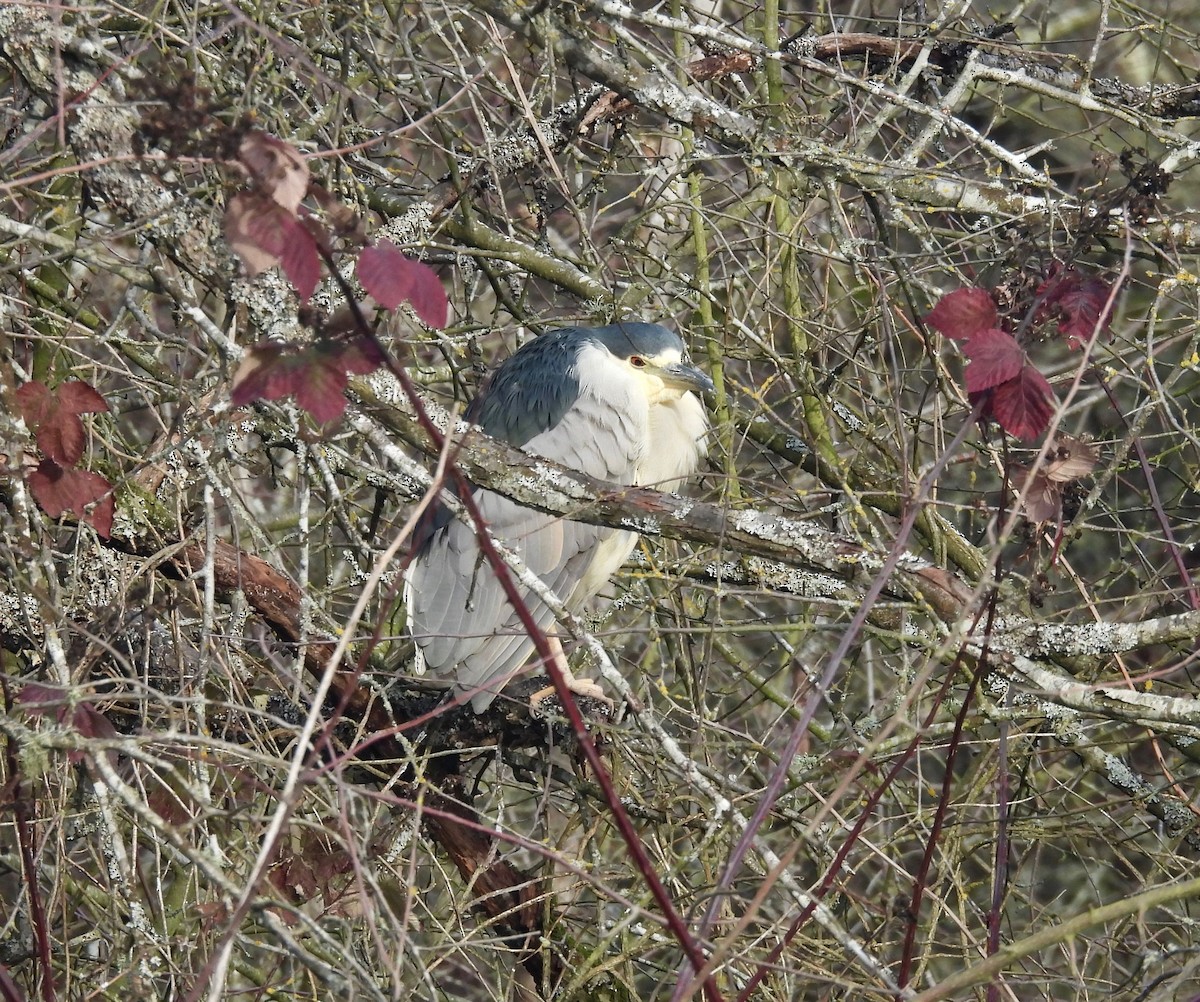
x=384 y=273
x=1080 y=304
x=963 y=313
x=58 y=490
x=102 y=515
x=42 y=701
x=33 y=400
x=54 y=417
x=1024 y=405
x=428 y=298
x=269 y=227
x=315 y=374
x=294 y=877
x=360 y=355
x=322 y=390
x=326 y=861
x=244 y=229
x=91 y=723
x=278 y=167
x=392 y=278
x=264 y=234
x=170 y=805
x=80 y=398
x=300 y=260
x=995 y=358
x=266 y=373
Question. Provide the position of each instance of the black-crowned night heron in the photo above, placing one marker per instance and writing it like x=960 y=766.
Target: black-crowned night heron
x=613 y=402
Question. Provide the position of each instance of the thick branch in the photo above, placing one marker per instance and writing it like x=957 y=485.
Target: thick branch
x=766 y=548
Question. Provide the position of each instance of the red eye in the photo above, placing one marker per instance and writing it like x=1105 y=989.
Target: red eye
x=637 y=361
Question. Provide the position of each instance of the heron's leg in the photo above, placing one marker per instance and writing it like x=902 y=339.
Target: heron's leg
x=579 y=686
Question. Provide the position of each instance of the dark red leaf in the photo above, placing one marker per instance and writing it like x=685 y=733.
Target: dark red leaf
x=266 y=373
x=392 y=278
x=963 y=313
x=80 y=398
x=270 y=227
x=384 y=273
x=1024 y=405
x=322 y=391
x=54 y=417
x=327 y=864
x=294 y=877
x=428 y=298
x=33 y=400
x=42 y=701
x=995 y=357
x=102 y=515
x=300 y=260
x=167 y=805
x=314 y=374
x=360 y=355
x=1080 y=304
x=264 y=234
x=58 y=490
x=91 y=723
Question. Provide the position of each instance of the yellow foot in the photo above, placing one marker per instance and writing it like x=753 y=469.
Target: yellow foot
x=584 y=688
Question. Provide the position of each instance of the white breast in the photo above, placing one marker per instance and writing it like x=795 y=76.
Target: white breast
x=678 y=441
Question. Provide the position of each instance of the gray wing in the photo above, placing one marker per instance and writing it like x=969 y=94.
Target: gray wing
x=468 y=633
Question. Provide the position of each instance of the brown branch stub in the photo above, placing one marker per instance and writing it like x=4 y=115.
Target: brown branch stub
x=715 y=67
x=847 y=45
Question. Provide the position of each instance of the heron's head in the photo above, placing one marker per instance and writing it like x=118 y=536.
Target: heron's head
x=655 y=355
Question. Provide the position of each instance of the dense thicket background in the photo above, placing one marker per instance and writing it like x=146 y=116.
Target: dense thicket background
x=889 y=738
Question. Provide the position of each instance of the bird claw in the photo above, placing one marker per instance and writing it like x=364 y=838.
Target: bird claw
x=584 y=688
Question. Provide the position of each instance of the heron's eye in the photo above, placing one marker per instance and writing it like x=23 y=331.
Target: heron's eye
x=637 y=361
